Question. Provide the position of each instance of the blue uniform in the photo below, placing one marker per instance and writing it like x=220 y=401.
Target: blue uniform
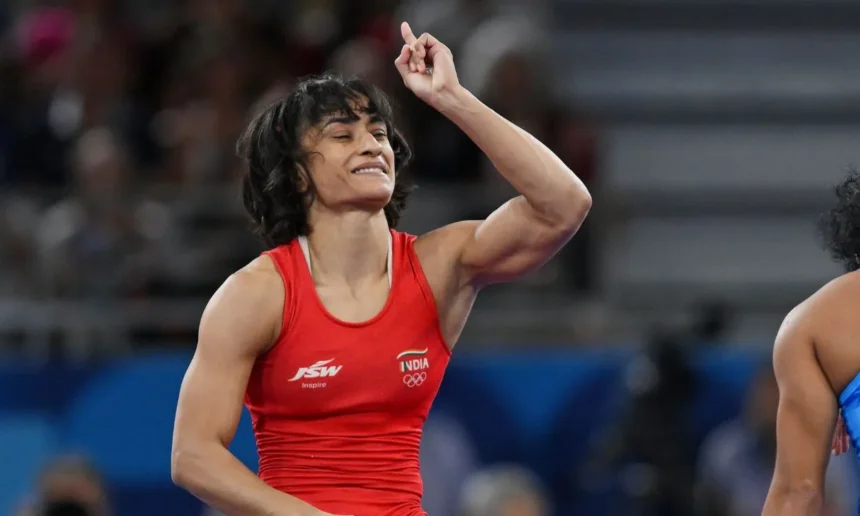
x=849 y=401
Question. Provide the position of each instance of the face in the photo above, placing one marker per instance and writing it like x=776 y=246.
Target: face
x=100 y=181
x=77 y=488
x=351 y=163
x=523 y=506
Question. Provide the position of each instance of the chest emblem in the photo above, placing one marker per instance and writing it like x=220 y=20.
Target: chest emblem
x=317 y=371
x=413 y=360
x=413 y=363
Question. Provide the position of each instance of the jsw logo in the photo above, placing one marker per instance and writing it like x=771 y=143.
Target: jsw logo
x=318 y=370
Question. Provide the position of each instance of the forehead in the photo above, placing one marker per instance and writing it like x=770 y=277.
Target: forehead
x=358 y=113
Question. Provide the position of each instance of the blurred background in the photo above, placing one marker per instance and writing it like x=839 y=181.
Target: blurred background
x=630 y=376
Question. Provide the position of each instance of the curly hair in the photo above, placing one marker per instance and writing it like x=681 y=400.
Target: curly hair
x=839 y=227
x=272 y=185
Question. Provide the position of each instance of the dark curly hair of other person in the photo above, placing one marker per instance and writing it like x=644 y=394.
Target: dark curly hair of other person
x=839 y=227
x=272 y=189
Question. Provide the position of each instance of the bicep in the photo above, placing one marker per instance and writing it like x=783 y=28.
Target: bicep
x=210 y=399
x=806 y=415
x=235 y=328
x=514 y=240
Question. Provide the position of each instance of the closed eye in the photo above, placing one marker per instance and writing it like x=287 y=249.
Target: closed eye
x=341 y=137
x=380 y=134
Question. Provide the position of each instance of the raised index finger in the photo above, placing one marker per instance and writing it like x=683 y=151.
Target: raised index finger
x=406 y=32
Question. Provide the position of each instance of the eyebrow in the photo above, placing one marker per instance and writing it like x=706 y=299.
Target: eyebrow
x=339 y=120
x=373 y=119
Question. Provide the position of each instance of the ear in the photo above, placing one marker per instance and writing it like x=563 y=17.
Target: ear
x=304 y=179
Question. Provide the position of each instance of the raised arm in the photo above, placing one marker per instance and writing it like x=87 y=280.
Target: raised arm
x=241 y=320
x=528 y=230
x=805 y=422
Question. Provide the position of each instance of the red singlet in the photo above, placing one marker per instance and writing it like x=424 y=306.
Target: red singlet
x=338 y=407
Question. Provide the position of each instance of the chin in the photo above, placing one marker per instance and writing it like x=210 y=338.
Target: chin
x=368 y=201
x=374 y=205
x=379 y=195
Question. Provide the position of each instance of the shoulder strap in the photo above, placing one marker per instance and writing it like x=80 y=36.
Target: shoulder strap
x=303 y=243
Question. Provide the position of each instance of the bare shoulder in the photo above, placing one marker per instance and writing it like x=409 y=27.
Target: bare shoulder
x=803 y=324
x=251 y=288
x=795 y=356
x=821 y=332
x=829 y=319
x=247 y=308
x=833 y=308
x=260 y=275
x=839 y=298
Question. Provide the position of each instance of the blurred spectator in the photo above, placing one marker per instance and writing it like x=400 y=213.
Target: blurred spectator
x=97 y=243
x=37 y=141
x=736 y=461
x=200 y=134
x=647 y=455
x=107 y=106
x=69 y=486
x=103 y=242
x=712 y=320
x=504 y=490
x=19 y=274
x=364 y=58
x=110 y=103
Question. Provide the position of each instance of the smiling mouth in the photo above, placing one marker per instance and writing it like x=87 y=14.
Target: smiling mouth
x=370 y=171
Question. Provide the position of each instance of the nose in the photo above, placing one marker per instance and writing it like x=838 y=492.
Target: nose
x=369 y=145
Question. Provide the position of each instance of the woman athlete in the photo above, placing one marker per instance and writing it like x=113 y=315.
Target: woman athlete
x=816 y=360
x=338 y=336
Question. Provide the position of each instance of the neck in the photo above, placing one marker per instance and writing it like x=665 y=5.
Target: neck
x=348 y=247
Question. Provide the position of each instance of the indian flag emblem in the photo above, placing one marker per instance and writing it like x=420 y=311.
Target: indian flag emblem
x=413 y=360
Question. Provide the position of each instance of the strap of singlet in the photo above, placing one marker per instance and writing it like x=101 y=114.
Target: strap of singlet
x=303 y=243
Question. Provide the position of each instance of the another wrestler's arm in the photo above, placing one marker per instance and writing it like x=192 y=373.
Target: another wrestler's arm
x=805 y=422
x=241 y=320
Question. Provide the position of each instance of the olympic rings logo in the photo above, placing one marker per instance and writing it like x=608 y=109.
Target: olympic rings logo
x=414 y=380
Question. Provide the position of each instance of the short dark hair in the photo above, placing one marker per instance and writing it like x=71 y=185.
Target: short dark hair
x=272 y=147
x=839 y=227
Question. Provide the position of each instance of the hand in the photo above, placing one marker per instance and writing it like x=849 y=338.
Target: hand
x=427 y=67
x=841 y=442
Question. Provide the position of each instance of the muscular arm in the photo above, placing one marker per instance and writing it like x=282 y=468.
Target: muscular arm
x=241 y=320
x=805 y=422
x=527 y=231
